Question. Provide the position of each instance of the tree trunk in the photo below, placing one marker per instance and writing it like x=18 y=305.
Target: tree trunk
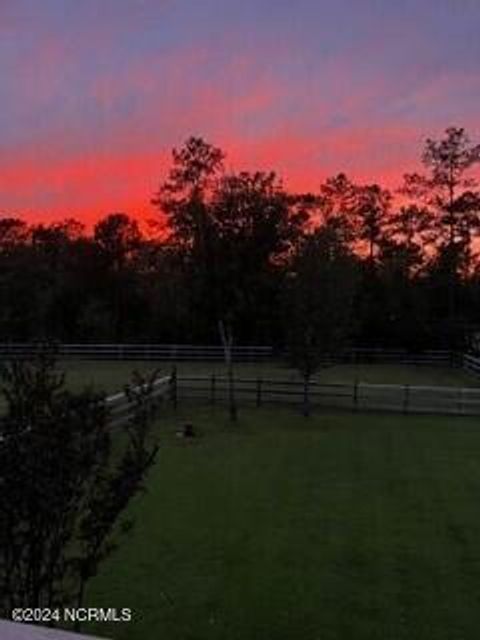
x=452 y=266
x=232 y=405
x=227 y=341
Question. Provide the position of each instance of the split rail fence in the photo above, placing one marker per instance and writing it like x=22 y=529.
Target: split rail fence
x=470 y=363
x=256 y=353
x=263 y=391
x=121 y=408
x=212 y=353
x=358 y=396
x=158 y=352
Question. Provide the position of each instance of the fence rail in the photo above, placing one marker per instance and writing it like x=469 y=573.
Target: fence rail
x=358 y=396
x=470 y=363
x=212 y=353
x=121 y=408
x=159 y=352
x=177 y=353
x=438 y=357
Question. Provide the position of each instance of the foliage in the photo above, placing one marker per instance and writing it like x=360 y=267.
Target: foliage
x=318 y=299
x=226 y=249
x=450 y=193
x=65 y=482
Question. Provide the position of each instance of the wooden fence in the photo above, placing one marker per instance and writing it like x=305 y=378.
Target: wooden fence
x=433 y=358
x=212 y=353
x=470 y=363
x=352 y=397
x=357 y=396
x=158 y=352
x=121 y=408
x=174 y=353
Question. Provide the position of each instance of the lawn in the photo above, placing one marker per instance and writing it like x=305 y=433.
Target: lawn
x=334 y=527
x=111 y=375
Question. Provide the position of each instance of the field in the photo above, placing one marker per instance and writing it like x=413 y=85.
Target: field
x=334 y=527
x=110 y=376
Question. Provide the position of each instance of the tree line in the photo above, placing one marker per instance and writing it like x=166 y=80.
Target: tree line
x=244 y=257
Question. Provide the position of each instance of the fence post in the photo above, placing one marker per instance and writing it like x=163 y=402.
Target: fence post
x=406 y=398
x=355 y=395
x=306 y=397
x=174 y=387
x=460 y=400
x=212 y=389
x=259 y=392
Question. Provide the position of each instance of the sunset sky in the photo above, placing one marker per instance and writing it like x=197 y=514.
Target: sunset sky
x=95 y=93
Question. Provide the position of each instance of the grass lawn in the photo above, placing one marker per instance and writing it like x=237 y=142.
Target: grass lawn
x=399 y=374
x=110 y=376
x=332 y=527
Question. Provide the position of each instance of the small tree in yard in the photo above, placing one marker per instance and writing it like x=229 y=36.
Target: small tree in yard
x=65 y=483
x=226 y=336
x=318 y=303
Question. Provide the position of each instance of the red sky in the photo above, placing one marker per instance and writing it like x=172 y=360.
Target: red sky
x=95 y=95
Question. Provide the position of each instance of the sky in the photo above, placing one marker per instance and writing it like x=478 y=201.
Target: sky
x=94 y=94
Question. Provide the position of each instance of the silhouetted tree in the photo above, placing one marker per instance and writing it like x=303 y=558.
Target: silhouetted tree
x=13 y=233
x=254 y=232
x=318 y=299
x=336 y=208
x=183 y=196
x=184 y=199
x=118 y=238
x=225 y=247
x=410 y=228
x=451 y=194
x=371 y=208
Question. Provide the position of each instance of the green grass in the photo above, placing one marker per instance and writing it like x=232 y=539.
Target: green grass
x=110 y=376
x=335 y=527
x=399 y=374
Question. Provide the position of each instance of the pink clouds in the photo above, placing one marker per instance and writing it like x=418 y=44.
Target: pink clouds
x=84 y=187
x=98 y=107
x=90 y=185
x=303 y=161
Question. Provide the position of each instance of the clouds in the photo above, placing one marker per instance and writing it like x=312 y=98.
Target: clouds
x=95 y=94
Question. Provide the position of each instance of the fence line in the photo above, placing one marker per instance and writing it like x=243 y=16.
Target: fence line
x=470 y=363
x=211 y=353
x=357 y=396
x=438 y=357
x=121 y=409
x=161 y=352
x=254 y=354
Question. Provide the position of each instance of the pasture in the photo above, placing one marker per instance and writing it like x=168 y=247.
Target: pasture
x=111 y=375
x=332 y=527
